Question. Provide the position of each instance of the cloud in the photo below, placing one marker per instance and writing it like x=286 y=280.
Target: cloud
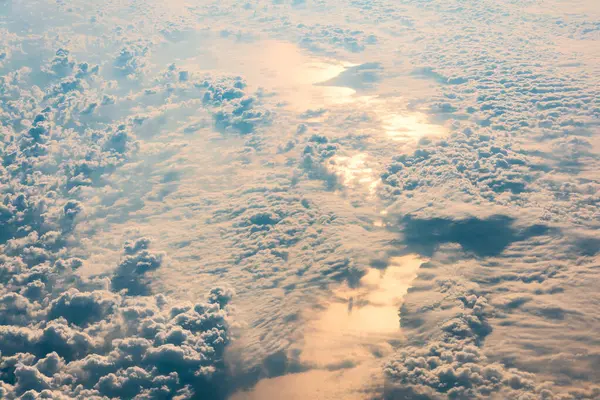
x=505 y=203
x=451 y=364
x=317 y=36
x=483 y=237
x=360 y=77
x=129 y=275
x=130 y=61
x=82 y=308
x=62 y=335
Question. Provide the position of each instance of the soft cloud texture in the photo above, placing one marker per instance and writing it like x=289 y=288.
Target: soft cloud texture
x=177 y=192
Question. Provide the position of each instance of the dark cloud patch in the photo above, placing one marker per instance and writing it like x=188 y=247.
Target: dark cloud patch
x=431 y=73
x=62 y=64
x=130 y=61
x=587 y=246
x=82 y=308
x=234 y=109
x=360 y=77
x=241 y=116
x=223 y=90
x=483 y=237
x=134 y=246
x=130 y=273
x=315 y=158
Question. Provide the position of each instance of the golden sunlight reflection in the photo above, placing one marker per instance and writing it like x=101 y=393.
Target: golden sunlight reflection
x=415 y=126
x=277 y=67
x=379 y=222
x=346 y=341
x=359 y=319
x=299 y=82
x=355 y=171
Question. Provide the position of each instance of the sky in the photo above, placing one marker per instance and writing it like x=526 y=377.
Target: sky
x=300 y=199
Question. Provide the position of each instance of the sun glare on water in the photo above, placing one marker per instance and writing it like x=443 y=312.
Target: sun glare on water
x=345 y=342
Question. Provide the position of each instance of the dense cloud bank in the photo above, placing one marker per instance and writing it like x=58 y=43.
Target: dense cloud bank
x=111 y=336
x=506 y=206
x=462 y=316
x=452 y=364
x=63 y=336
